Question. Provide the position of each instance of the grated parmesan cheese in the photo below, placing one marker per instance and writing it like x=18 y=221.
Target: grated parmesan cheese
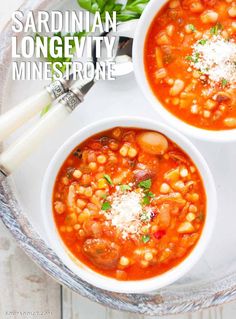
x=216 y=58
x=125 y=211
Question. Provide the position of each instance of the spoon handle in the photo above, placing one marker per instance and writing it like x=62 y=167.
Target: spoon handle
x=126 y=29
x=11 y=158
x=20 y=114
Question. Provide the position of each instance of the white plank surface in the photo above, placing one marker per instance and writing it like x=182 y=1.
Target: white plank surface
x=27 y=292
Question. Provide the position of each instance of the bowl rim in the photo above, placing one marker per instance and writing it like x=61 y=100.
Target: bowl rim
x=84 y=272
x=143 y=25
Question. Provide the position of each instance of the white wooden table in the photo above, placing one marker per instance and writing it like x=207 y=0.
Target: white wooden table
x=26 y=292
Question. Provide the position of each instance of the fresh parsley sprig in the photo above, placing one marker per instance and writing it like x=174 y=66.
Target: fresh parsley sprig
x=132 y=10
x=146 y=185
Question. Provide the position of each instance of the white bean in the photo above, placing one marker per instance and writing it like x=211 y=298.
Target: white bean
x=230 y=121
x=209 y=16
x=177 y=87
x=232 y=11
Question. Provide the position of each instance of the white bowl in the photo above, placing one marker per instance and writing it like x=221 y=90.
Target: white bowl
x=55 y=242
x=140 y=34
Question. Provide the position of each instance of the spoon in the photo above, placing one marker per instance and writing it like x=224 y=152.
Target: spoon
x=11 y=158
x=18 y=115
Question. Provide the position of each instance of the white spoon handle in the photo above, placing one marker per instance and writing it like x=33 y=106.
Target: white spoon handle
x=12 y=157
x=20 y=114
x=25 y=145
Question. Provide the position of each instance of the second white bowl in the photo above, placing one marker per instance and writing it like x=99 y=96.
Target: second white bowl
x=87 y=274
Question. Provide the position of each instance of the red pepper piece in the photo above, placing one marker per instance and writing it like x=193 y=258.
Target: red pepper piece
x=159 y=234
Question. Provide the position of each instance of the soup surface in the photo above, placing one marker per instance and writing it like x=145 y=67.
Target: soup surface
x=190 y=61
x=129 y=203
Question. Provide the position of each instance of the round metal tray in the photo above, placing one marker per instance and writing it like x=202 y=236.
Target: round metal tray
x=213 y=279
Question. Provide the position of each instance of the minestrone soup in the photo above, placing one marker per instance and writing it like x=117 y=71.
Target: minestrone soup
x=190 y=61
x=129 y=203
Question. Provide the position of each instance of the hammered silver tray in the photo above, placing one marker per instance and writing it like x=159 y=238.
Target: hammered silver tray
x=213 y=279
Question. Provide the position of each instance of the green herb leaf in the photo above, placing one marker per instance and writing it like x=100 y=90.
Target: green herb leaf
x=136 y=6
x=146 y=184
x=125 y=188
x=150 y=194
x=104 y=196
x=192 y=27
x=132 y=10
x=147 y=197
x=189 y=58
x=108 y=179
x=224 y=82
x=106 y=206
x=203 y=41
x=196 y=57
x=145 y=239
x=146 y=200
x=215 y=30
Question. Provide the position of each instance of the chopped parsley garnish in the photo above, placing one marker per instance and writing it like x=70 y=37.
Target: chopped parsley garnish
x=106 y=206
x=192 y=27
x=224 y=82
x=146 y=200
x=125 y=188
x=215 y=30
x=194 y=58
x=145 y=216
x=145 y=239
x=150 y=194
x=147 y=197
x=146 y=184
x=108 y=179
x=189 y=58
x=203 y=41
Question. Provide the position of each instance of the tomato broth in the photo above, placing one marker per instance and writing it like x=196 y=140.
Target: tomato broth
x=190 y=61
x=129 y=203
